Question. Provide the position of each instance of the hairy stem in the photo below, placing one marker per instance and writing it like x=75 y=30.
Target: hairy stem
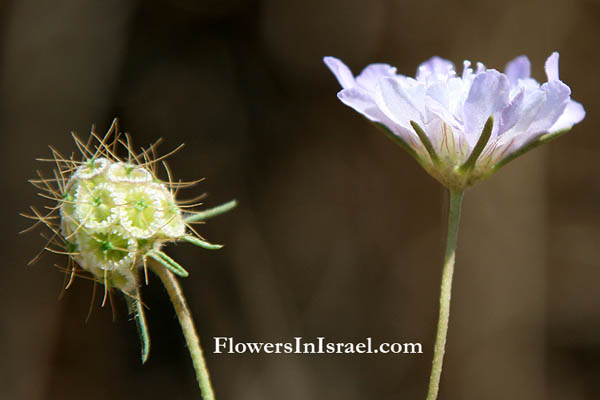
x=187 y=326
x=445 y=294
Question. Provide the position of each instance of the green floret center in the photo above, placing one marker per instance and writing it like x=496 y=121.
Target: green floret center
x=105 y=246
x=109 y=247
x=141 y=213
x=102 y=204
x=129 y=171
x=91 y=164
x=140 y=205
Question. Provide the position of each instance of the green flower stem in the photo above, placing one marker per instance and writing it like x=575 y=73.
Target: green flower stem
x=445 y=294
x=213 y=212
x=188 y=328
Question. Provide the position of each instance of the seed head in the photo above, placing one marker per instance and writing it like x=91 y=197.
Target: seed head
x=112 y=213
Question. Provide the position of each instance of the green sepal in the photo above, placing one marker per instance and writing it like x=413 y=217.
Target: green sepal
x=400 y=142
x=136 y=310
x=529 y=146
x=426 y=142
x=201 y=243
x=483 y=140
x=212 y=212
x=168 y=263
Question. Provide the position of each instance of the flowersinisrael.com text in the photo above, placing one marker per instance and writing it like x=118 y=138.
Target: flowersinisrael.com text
x=227 y=345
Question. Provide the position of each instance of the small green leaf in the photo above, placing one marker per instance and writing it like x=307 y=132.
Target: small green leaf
x=136 y=310
x=201 y=243
x=212 y=212
x=168 y=263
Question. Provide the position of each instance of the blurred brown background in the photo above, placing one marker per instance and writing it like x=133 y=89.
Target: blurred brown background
x=338 y=232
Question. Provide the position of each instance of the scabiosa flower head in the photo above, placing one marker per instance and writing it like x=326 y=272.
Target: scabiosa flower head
x=113 y=213
x=112 y=216
x=462 y=128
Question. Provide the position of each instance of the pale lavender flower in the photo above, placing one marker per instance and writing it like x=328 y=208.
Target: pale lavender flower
x=462 y=128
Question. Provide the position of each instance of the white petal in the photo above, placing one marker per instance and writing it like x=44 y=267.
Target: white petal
x=511 y=114
x=441 y=100
x=518 y=68
x=529 y=84
x=361 y=101
x=573 y=114
x=488 y=96
x=372 y=73
x=557 y=97
x=401 y=102
x=541 y=112
x=532 y=104
x=435 y=68
x=480 y=68
x=341 y=72
x=517 y=135
x=551 y=67
x=467 y=70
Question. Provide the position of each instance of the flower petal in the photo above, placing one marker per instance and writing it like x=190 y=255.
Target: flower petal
x=443 y=99
x=557 y=97
x=541 y=111
x=488 y=96
x=436 y=68
x=401 y=103
x=518 y=68
x=467 y=72
x=511 y=114
x=361 y=101
x=514 y=138
x=341 y=72
x=532 y=103
x=551 y=67
x=573 y=114
x=480 y=68
x=372 y=73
